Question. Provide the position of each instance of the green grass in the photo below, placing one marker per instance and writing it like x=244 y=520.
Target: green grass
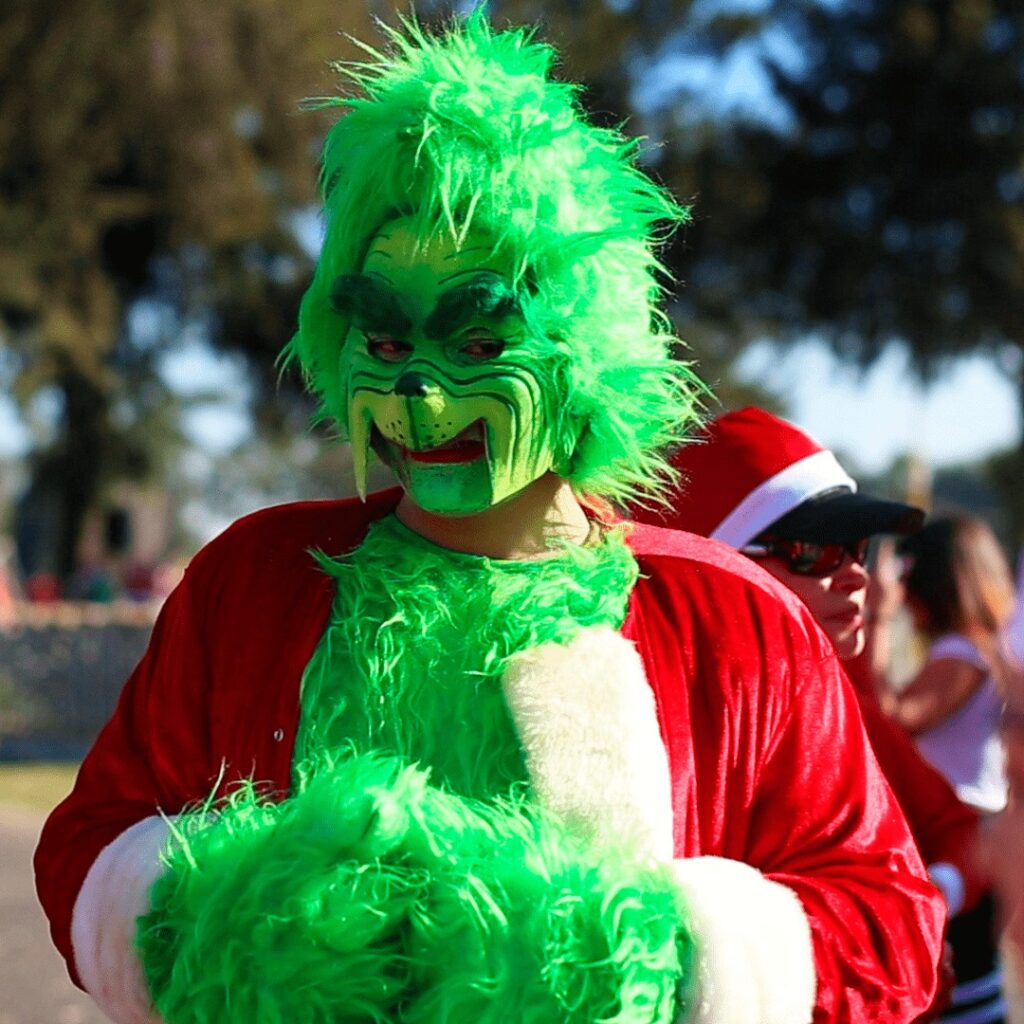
x=40 y=786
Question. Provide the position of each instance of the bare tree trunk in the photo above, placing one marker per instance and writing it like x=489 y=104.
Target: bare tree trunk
x=79 y=462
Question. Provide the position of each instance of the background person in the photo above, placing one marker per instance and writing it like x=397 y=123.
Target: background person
x=967 y=703
x=761 y=485
x=960 y=593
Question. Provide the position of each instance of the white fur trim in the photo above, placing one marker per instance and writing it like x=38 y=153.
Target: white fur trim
x=948 y=880
x=779 y=494
x=113 y=896
x=587 y=721
x=755 y=957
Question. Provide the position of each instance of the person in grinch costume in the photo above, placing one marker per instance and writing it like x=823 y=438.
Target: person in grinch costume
x=471 y=751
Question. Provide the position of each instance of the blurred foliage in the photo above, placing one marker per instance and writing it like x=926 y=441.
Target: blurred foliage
x=1005 y=471
x=152 y=151
x=132 y=133
x=890 y=205
x=897 y=209
x=960 y=487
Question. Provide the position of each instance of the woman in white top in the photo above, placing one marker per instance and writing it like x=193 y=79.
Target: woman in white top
x=960 y=592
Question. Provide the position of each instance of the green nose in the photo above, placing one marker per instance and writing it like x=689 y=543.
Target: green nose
x=413 y=385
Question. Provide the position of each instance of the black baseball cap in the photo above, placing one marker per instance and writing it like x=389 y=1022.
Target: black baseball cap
x=842 y=516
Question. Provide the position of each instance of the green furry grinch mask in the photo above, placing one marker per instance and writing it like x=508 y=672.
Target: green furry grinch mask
x=546 y=350
x=447 y=382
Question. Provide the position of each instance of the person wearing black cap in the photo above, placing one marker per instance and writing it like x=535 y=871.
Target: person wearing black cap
x=763 y=486
x=819 y=551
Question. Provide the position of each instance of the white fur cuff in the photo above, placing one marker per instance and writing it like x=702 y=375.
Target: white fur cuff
x=588 y=724
x=113 y=896
x=755 y=957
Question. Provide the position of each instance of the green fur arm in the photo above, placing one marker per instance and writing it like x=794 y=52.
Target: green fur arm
x=374 y=896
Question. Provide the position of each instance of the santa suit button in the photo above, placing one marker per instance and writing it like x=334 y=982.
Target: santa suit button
x=278 y=735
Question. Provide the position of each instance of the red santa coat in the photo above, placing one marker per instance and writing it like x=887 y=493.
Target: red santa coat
x=769 y=764
x=946 y=829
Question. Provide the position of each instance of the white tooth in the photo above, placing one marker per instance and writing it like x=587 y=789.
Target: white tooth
x=359 y=434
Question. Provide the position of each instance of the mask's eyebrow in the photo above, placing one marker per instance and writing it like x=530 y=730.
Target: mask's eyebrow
x=484 y=296
x=370 y=303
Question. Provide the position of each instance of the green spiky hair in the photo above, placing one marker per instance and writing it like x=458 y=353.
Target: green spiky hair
x=469 y=128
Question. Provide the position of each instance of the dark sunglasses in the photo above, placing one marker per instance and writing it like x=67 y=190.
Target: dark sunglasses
x=806 y=558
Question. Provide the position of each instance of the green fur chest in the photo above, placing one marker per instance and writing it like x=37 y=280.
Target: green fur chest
x=412 y=657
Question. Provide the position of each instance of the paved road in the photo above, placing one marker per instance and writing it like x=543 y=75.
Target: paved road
x=34 y=988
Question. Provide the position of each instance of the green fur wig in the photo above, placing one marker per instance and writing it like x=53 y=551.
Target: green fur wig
x=470 y=130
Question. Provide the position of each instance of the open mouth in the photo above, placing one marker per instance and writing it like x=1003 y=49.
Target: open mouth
x=467 y=446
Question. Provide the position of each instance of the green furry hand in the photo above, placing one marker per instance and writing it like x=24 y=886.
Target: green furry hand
x=293 y=912
x=373 y=896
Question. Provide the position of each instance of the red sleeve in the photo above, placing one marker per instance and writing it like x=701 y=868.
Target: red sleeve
x=945 y=828
x=825 y=823
x=773 y=768
x=153 y=755
x=186 y=720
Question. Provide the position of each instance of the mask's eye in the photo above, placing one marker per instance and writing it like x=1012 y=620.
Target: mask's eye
x=387 y=349
x=482 y=348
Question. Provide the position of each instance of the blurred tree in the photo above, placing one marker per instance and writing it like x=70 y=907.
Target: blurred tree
x=886 y=202
x=895 y=211
x=896 y=208
x=1004 y=472
x=135 y=131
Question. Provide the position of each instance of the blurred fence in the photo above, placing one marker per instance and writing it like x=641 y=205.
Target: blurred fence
x=61 y=670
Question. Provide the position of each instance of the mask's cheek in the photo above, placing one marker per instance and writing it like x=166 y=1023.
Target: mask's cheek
x=518 y=434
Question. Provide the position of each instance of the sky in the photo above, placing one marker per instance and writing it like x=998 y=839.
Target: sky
x=970 y=411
